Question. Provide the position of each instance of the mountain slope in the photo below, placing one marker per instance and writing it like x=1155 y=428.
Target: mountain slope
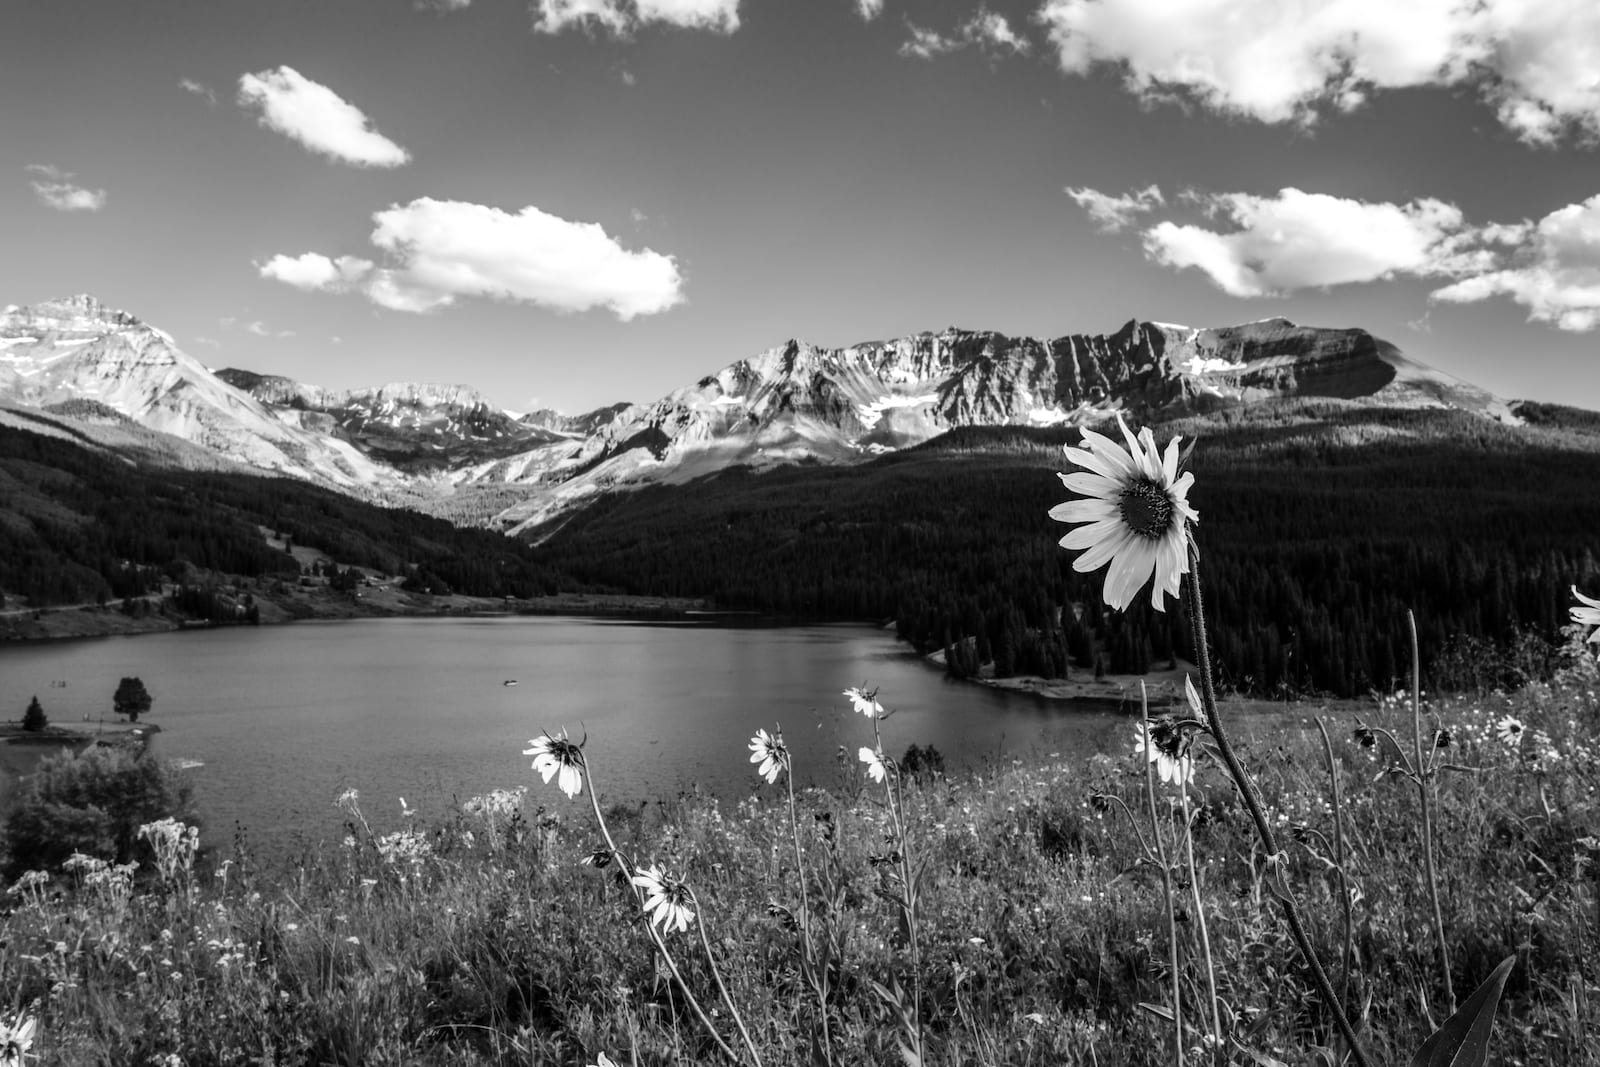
x=78 y=349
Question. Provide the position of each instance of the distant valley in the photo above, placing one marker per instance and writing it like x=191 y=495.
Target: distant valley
x=1339 y=484
x=448 y=450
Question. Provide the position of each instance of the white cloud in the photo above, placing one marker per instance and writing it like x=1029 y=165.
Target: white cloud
x=313 y=270
x=991 y=30
x=925 y=44
x=1553 y=271
x=986 y=29
x=620 y=17
x=1276 y=62
x=556 y=15
x=256 y=328
x=55 y=189
x=440 y=250
x=204 y=92
x=719 y=15
x=1114 y=213
x=1299 y=240
x=443 y=5
x=318 y=118
x=869 y=9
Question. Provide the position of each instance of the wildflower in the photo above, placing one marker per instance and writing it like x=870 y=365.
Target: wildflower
x=1167 y=748
x=865 y=703
x=666 y=899
x=874 y=762
x=1509 y=730
x=771 y=753
x=605 y=1061
x=1137 y=513
x=15 y=1040
x=1587 y=616
x=1364 y=736
x=1442 y=738
x=559 y=758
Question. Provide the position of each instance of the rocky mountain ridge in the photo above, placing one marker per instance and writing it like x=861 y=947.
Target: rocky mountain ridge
x=792 y=403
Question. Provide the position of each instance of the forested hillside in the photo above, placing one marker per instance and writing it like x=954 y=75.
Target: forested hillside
x=78 y=524
x=1321 y=523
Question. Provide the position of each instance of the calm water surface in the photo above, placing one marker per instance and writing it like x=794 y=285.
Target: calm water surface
x=284 y=718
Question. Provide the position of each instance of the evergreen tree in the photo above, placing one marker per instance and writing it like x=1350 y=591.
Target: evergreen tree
x=34 y=719
x=131 y=699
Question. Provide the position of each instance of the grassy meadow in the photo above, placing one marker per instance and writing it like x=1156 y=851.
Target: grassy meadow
x=481 y=935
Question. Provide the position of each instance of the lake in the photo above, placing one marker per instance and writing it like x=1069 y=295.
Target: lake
x=282 y=719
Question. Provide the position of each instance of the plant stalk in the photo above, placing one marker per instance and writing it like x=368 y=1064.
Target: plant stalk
x=1424 y=789
x=1166 y=878
x=655 y=938
x=1246 y=787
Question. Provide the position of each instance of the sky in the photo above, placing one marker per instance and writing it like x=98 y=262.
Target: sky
x=568 y=203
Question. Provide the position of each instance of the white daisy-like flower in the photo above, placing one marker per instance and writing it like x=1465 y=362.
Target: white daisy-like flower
x=1166 y=748
x=1137 y=512
x=865 y=703
x=1587 y=613
x=15 y=1040
x=1509 y=730
x=559 y=758
x=666 y=899
x=874 y=762
x=771 y=753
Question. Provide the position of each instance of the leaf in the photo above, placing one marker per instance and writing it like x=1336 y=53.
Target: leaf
x=1463 y=1040
x=1158 y=1010
x=908 y=1055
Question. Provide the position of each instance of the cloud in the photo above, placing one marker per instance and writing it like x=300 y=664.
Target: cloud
x=55 y=189
x=990 y=30
x=256 y=328
x=621 y=17
x=869 y=9
x=318 y=118
x=1279 y=62
x=1551 y=267
x=1114 y=213
x=1299 y=240
x=204 y=92
x=442 y=5
x=986 y=29
x=437 y=251
x=925 y=44
x=313 y=271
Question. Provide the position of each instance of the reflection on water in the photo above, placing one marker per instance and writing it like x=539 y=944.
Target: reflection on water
x=278 y=720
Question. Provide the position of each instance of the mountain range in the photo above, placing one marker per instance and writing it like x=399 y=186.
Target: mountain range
x=438 y=446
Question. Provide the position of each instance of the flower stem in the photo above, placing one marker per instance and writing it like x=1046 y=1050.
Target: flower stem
x=705 y=941
x=1424 y=789
x=1166 y=880
x=1246 y=787
x=807 y=949
x=655 y=938
x=1200 y=920
x=1338 y=859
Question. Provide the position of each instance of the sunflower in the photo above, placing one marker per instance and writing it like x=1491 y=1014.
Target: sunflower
x=1587 y=616
x=1510 y=730
x=771 y=753
x=874 y=762
x=667 y=900
x=559 y=758
x=1137 y=509
x=1166 y=746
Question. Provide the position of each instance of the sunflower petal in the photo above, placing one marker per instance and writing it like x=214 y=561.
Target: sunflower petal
x=1090 y=510
x=1093 y=485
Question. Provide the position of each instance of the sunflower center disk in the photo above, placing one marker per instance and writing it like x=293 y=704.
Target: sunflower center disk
x=1146 y=509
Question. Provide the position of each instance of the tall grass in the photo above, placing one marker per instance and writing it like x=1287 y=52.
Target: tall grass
x=479 y=936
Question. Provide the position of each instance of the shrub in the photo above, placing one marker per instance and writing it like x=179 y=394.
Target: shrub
x=34 y=719
x=93 y=802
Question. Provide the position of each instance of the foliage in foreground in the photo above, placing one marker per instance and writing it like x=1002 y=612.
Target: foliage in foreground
x=480 y=937
x=92 y=802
